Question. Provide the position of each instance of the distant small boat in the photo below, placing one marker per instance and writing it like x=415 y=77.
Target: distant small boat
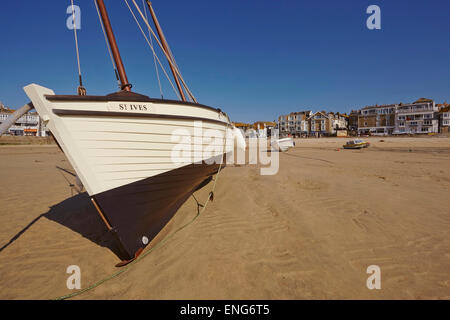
x=283 y=144
x=356 y=144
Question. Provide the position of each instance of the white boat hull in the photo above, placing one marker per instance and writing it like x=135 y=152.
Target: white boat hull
x=283 y=144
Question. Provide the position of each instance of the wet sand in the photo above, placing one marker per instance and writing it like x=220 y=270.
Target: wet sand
x=309 y=232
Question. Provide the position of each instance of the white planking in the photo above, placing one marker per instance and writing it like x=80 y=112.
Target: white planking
x=109 y=152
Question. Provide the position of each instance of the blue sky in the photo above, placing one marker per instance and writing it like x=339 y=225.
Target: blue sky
x=255 y=59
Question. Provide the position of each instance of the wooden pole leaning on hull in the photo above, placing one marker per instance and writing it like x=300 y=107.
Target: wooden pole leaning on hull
x=126 y=259
x=166 y=49
x=13 y=117
x=113 y=45
x=100 y=212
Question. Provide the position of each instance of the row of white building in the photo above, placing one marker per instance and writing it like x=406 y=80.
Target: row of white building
x=30 y=124
x=423 y=116
x=308 y=123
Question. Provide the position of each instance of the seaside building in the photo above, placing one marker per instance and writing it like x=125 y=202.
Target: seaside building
x=353 y=121
x=441 y=106
x=444 y=119
x=295 y=123
x=264 y=128
x=377 y=120
x=30 y=124
x=420 y=116
x=244 y=127
x=339 y=121
x=294 y=119
x=283 y=124
x=258 y=129
x=291 y=123
x=307 y=123
x=320 y=124
x=340 y=124
x=301 y=123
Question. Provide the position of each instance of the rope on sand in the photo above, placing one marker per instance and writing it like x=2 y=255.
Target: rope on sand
x=145 y=253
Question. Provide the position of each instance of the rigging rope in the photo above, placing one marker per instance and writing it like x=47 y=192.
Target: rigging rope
x=168 y=46
x=107 y=45
x=153 y=50
x=81 y=90
x=177 y=71
x=154 y=59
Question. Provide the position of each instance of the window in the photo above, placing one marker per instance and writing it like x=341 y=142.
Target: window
x=425 y=129
x=401 y=117
x=401 y=123
x=446 y=122
x=428 y=122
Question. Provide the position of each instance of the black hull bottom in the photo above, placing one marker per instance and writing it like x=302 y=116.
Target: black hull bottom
x=141 y=209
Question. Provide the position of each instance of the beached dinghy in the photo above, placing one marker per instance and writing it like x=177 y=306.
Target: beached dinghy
x=356 y=144
x=122 y=148
x=283 y=144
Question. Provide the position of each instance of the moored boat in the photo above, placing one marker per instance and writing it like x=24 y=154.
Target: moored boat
x=139 y=158
x=283 y=144
x=356 y=144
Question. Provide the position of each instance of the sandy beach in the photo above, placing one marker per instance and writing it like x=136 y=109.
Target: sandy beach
x=308 y=232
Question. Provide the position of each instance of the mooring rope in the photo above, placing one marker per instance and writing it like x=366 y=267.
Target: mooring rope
x=177 y=71
x=154 y=59
x=145 y=253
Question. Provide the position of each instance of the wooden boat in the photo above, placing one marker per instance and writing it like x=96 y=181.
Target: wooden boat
x=356 y=144
x=121 y=147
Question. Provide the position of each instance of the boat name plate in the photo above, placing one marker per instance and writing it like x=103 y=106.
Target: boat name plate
x=140 y=107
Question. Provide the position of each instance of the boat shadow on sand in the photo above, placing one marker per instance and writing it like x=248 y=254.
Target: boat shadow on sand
x=78 y=214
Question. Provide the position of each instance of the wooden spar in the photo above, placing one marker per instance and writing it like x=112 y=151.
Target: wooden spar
x=100 y=212
x=113 y=45
x=166 y=49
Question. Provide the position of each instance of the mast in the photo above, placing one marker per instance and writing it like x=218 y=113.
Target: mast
x=113 y=45
x=166 y=49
